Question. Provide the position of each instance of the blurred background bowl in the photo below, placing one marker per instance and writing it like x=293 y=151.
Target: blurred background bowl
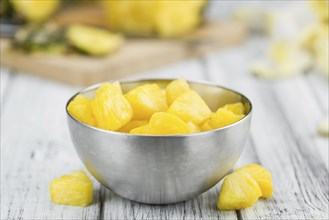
x=162 y=169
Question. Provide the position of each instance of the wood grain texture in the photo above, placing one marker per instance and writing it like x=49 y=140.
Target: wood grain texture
x=35 y=146
x=283 y=138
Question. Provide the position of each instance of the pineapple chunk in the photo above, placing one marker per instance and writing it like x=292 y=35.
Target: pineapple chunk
x=261 y=176
x=35 y=10
x=145 y=129
x=206 y=126
x=132 y=124
x=80 y=108
x=146 y=100
x=146 y=18
x=177 y=17
x=110 y=108
x=193 y=127
x=73 y=189
x=94 y=41
x=189 y=106
x=236 y=108
x=222 y=117
x=163 y=123
x=239 y=190
x=175 y=89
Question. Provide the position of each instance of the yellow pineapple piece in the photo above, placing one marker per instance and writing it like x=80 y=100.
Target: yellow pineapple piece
x=236 y=108
x=161 y=17
x=175 y=89
x=132 y=124
x=80 y=108
x=94 y=41
x=146 y=100
x=35 y=10
x=239 y=190
x=189 y=106
x=261 y=176
x=206 y=126
x=145 y=129
x=323 y=127
x=193 y=127
x=110 y=108
x=131 y=17
x=223 y=117
x=73 y=189
x=163 y=123
x=176 y=18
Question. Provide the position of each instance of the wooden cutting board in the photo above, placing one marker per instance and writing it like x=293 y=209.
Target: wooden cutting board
x=136 y=56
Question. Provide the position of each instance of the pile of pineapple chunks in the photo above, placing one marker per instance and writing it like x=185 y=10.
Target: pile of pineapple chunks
x=154 y=18
x=244 y=187
x=294 y=48
x=149 y=110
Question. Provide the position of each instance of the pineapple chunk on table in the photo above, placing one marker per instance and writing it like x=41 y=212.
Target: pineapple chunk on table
x=239 y=190
x=74 y=189
x=261 y=176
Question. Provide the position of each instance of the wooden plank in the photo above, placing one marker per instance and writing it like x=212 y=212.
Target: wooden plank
x=36 y=148
x=5 y=80
x=282 y=142
x=136 y=56
x=44 y=151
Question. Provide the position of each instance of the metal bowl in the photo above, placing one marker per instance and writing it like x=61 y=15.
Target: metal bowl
x=168 y=168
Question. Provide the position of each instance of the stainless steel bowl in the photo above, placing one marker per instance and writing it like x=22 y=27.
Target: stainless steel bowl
x=162 y=169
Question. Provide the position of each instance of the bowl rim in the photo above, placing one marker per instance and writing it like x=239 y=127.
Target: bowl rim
x=141 y=79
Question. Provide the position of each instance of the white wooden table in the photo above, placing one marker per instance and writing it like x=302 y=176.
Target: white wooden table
x=36 y=147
